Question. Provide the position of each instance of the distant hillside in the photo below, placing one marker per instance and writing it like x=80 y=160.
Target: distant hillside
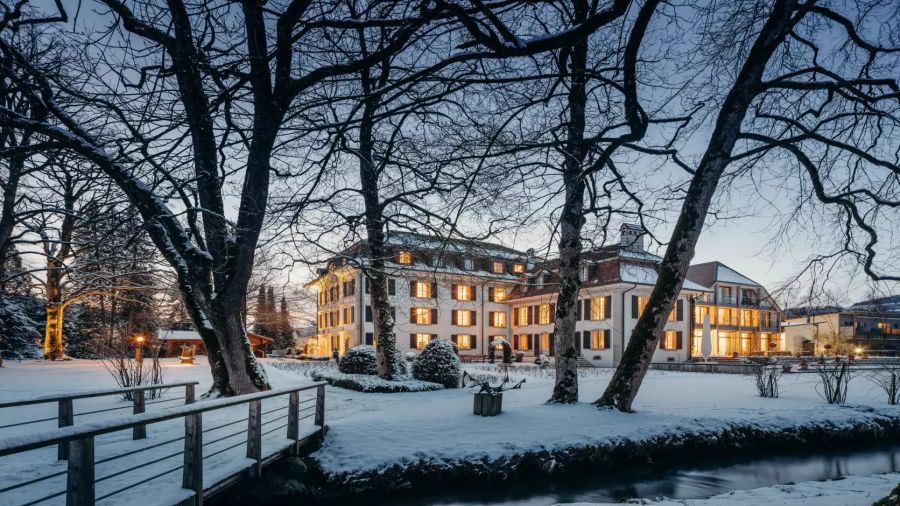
x=798 y=312
x=890 y=304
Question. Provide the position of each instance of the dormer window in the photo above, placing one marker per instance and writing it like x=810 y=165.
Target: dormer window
x=583 y=275
x=436 y=261
x=497 y=267
x=404 y=257
x=518 y=268
x=540 y=281
x=468 y=264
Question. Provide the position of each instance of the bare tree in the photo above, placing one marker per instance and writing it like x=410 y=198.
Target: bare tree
x=803 y=104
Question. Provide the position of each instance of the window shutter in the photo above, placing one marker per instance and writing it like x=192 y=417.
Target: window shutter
x=552 y=342
x=412 y=341
x=530 y=315
x=474 y=319
x=453 y=317
x=634 y=306
x=607 y=307
x=491 y=293
x=412 y=315
x=536 y=339
x=578 y=310
x=536 y=313
x=433 y=316
x=515 y=317
x=586 y=340
x=679 y=310
x=370 y=338
x=392 y=287
x=474 y=293
x=352 y=314
x=368 y=313
x=412 y=288
x=453 y=291
x=455 y=339
x=434 y=336
x=678 y=340
x=515 y=342
x=366 y=284
x=607 y=341
x=552 y=313
x=662 y=341
x=433 y=290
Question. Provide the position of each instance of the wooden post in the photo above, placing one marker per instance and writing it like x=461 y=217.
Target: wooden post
x=139 y=431
x=320 y=408
x=66 y=419
x=254 y=436
x=192 y=476
x=189 y=394
x=293 y=426
x=80 y=478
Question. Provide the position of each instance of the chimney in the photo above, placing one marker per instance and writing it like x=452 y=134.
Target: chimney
x=632 y=237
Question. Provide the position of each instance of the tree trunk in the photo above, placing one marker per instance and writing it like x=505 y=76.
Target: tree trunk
x=632 y=368
x=571 y=220
x=7 y=213
x=245 y=374
x=385 y=338
x=53 y=328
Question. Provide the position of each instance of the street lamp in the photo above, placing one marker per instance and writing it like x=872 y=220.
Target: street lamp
x=139 y=345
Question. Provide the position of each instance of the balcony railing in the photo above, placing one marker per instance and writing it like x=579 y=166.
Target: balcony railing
x=726 y=299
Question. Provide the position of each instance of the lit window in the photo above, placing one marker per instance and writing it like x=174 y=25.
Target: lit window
x=421 y=289
x=883 y=326
x=422 y=340
x=523 y=315
x=726 y=316
x=465 y=292
x=597 y=340
x=465 y=318
x=598 y=308
x=421 y=315
x=464 y=341
x=544 y=314
x=524 y=342
x=405 y=257
x=497 y=267
x=468 y=264
x=518 y=268
x=670 y=340
x=498 y=319
x=499 y=295
x=700 y=312
x=545 y=342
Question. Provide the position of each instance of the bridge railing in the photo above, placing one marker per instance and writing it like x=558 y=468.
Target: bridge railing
x=66 y=406
x=79 y=440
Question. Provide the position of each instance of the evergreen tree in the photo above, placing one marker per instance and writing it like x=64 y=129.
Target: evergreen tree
x=285 y=331
x=260 y=324
x=270 y=314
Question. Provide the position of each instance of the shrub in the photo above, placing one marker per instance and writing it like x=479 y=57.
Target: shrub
x=767 y=373
x=834 y=376
x=437 y=363
x=359 y=360
x=373 y=384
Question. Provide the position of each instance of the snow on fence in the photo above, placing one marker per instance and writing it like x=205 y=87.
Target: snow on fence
x=80 y=475
x=66 y=402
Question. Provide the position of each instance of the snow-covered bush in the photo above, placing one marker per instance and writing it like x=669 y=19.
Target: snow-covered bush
x=400 y=364
x=438 y=363
x=542 y=361
x=359 y=360
x=411 y=355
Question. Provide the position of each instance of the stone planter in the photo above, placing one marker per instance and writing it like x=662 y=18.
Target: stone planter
x=488 y=404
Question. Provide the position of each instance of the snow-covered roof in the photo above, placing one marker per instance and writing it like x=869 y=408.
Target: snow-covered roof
x=177 y=335
x=453 y=245
x=644 y=275
x=729 y=275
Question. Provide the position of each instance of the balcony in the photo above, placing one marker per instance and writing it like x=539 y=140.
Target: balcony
x=727 y=299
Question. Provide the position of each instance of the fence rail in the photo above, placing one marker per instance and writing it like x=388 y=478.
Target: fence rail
x=66 y=406
x=79 y=442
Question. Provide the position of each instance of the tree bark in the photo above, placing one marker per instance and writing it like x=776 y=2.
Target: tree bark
x=565 y=389
x=626 y=381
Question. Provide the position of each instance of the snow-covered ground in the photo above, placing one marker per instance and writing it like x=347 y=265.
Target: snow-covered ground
x=373 y=431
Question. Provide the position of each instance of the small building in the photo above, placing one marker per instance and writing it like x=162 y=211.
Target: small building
x=173 y=340
x=845 y=332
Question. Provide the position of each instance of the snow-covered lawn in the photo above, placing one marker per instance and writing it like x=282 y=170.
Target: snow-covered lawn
x=369 y=432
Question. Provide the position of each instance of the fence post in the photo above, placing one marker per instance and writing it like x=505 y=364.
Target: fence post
x=80 y=476
x=139 y=431
x=320 y=408
x=189 y=394
x=192 y=476
x=254 y=436
x=293 y=426
x=66 y=419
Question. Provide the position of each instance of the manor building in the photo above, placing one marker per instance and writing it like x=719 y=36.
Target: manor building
x=474 y=292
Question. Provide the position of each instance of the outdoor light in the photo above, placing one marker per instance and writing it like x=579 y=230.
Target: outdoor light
x=139 y=341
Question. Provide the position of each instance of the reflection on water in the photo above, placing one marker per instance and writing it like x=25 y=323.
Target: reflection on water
x=685 y=483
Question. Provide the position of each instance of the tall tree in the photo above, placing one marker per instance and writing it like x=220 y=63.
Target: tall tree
x=810 y=98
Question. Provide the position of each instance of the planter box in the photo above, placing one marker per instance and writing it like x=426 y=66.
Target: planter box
x=488 y=404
